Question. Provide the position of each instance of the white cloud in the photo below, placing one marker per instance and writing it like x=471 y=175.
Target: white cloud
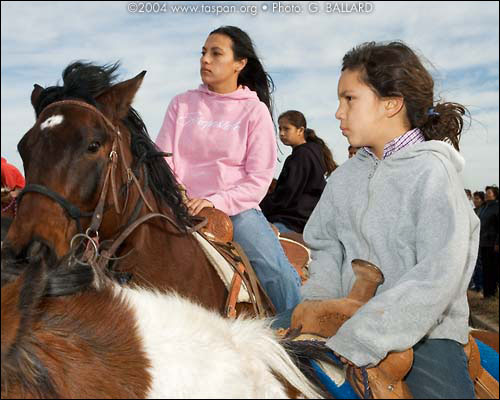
x=302 y=52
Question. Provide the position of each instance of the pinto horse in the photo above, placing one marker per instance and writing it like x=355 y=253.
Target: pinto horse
x=91 y=167
x=62 y=338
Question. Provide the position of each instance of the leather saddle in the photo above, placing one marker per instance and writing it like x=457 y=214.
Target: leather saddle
x=386 y=380
x=296 y=251
x=220 y=228
x=219 y=231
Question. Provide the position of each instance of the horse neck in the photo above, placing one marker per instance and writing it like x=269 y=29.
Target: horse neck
x=161 y=257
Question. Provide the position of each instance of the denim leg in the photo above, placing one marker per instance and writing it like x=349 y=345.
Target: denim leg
x=278 y=277
x=282 y=227
x=283 y=319
x=439 y=371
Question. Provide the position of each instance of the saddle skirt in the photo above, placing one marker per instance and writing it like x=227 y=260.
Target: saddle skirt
x=223 y=268
x=219 y=229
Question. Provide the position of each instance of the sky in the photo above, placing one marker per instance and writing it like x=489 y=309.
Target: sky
x=301 y=45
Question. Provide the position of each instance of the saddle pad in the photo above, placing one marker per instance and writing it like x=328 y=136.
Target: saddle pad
x=331 y=376
x=489 y=359
x=223 y=268
x=340 y=390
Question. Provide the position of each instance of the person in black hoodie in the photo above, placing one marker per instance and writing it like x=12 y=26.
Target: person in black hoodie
x=488 y=242
x=302 y=178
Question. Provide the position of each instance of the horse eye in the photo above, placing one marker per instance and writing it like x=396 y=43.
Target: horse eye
x=93 y=147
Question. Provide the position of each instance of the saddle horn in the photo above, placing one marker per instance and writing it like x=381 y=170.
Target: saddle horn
x=368 y=279
x=325 y=317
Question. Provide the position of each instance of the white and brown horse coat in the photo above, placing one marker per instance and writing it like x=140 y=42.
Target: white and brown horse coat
x=123 y=343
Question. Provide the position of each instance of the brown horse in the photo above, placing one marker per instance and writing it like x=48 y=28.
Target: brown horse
x=88 y=343
x=91 y=167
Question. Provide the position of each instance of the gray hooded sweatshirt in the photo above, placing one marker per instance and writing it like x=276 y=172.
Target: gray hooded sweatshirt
x=409 y=215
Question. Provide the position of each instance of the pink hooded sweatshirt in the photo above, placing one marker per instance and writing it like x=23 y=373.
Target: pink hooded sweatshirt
x=223 y=145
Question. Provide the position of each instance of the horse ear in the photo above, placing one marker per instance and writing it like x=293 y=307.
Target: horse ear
x=35 y=94
x=118 y=98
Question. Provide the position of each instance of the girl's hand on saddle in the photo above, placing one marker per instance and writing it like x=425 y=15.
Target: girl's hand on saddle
x=196 y=205
x=344 y=360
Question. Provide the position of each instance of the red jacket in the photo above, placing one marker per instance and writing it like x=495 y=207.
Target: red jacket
x=11 y=177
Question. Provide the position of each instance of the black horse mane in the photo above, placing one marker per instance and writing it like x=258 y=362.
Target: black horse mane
x=86 y=81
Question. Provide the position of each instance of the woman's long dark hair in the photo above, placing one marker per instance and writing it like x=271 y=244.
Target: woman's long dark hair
x=394 y=70
x=253 y=75
x=297 y=119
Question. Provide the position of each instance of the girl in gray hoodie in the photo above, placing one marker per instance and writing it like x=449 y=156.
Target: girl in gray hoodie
x=400 y=204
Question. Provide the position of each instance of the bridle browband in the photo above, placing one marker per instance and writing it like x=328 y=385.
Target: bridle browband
x=110 y=179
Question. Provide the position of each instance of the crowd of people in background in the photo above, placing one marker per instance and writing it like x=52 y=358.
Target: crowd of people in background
x=486 y=272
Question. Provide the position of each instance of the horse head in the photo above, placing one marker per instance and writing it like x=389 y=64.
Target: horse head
x=81 y=159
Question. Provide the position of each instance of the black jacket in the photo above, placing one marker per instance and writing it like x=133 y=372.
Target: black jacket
x=488 y=214
x=298 y=189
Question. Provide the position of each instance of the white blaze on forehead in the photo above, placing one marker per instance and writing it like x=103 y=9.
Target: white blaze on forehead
x=52 y=121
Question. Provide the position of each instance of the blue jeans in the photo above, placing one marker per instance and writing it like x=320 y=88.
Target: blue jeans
x=283 y=319
x=282 y=227
x=439 y=371
x=278 y=277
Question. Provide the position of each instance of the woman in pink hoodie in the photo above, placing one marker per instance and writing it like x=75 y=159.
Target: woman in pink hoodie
x=224 y=152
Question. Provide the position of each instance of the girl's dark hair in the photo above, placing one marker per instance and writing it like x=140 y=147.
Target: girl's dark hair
x=394 y=70
x=253 y=75
x=494 y=189
x=297 y=119
x=479 y=194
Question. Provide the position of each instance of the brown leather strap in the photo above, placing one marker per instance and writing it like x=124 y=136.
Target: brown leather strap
x=114 y=160
x=234 y=291
x=238 y=270
x=254 y=281
x=96 y=221
x=243 y=272
x=386 y=380
x=134 y=178
x=82 y=104
x=485 y=386
x=118 y=241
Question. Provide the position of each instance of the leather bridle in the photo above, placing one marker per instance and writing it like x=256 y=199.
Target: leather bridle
x=75 y=213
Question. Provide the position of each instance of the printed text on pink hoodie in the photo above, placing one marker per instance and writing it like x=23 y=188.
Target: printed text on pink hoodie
x=223 y=145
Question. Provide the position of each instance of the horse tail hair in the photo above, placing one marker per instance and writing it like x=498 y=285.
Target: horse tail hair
x=277 y=358
x=303 y=379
